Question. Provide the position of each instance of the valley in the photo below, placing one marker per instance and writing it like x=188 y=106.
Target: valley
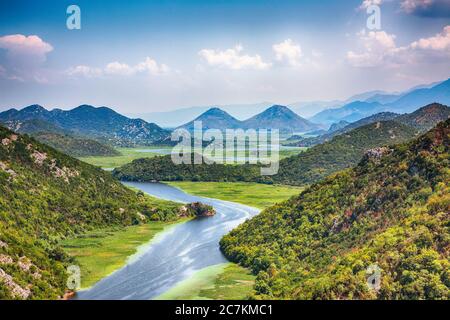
x=142 y=232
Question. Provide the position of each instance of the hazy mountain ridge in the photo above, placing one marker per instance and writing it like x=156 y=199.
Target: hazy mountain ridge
x=406 y=102
x=422 y=119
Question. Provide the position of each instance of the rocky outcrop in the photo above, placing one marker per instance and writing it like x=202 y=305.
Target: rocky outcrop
x=16 y=290
x=199 y=209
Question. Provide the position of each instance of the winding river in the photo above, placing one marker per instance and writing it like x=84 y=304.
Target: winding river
x=174 y=255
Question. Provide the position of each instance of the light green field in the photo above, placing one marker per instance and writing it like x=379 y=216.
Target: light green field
x=127 y=155
x=130 y=154
x=226 y=281
x=101 y=252
x=253 y=194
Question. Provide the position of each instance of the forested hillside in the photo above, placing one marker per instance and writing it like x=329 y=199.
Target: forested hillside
x=47 y=196
x=391 y=210
x=60 y=139
x=342 y=152
x=76 y=147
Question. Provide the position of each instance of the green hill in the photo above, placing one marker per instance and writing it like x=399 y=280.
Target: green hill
x=391 y=210
x=76 y=147
x=60 y=139
x=312 y=165
x=46 y=196
x=341 y=152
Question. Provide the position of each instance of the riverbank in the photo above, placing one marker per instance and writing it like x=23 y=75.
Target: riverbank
x=101 y=252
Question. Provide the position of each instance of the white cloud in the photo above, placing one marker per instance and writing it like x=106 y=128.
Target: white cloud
x=85 y=71
x=117 y=68
x=367 y=3
x=288 y=51
x=439 y=42
x=427 y=8
x=377 y=44
x=148 y=66
x=30 y=46
x=381 y=50
x=24 y=57
x=152 y=67
x=233 y=59
x=410 y=6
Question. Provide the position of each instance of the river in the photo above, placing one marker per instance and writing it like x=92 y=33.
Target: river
x=176 y=254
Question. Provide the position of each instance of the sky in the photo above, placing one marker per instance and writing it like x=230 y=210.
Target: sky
x=140 y=56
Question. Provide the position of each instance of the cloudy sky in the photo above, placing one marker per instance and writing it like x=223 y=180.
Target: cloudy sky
x=145 y=56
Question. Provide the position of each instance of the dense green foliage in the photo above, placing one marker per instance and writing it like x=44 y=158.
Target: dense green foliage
x=391 y=210
x=425 y=118
x=76 y=147
x=341 y=152
x=312 y=165
x=46 y=196
x=60 y=139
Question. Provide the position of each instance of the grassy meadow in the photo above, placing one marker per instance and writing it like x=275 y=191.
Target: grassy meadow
x=127 y=155
x=101 y=252
x=252 y=194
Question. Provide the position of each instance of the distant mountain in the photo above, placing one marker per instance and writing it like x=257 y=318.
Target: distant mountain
x=330 y=134
x=390 y=211
x=422 y=119
x=307 y=109
x=427 y=117
x=275 y=117
x=60 y=139
x=101 y=123
x=176 y=118
x=366 y=95
x=402 y=103
x=439 y=93
x=338 y=126
x=351 y=112
x=383 y=98
x=214 y=118
x=281 y=118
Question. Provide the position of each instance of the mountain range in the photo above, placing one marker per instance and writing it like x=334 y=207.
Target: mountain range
x=275 y=117
x=100 y=123
x=306 y=109
x=422 y=119
x=402 y=103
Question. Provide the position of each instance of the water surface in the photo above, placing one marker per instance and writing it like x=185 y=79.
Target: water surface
x=176 y=254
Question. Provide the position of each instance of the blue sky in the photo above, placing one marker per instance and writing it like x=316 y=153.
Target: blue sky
x=145 y=56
